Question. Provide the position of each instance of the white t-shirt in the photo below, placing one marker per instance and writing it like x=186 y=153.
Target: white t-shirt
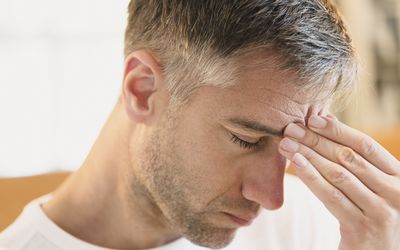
x=302 y=223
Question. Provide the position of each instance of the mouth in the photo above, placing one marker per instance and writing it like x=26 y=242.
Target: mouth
x=242 y=219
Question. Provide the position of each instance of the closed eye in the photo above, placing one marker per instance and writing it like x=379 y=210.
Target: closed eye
x=244 y=144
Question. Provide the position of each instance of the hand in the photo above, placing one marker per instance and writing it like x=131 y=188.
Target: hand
x=356 y=178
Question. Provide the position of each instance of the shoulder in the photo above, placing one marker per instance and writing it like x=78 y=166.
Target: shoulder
x=25 y=226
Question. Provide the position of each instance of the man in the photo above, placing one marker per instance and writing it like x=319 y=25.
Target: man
x=216 y=97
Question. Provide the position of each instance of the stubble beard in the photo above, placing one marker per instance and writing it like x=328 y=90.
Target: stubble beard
x=167 y=185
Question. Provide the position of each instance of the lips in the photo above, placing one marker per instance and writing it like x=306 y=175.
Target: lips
x=242 y=219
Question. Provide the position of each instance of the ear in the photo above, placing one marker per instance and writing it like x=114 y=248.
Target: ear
x=143 y=92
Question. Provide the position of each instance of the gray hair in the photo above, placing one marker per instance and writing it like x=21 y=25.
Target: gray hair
x=199 y=42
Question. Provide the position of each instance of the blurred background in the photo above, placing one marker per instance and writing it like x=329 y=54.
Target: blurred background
x=375 y=29
x=61 y=65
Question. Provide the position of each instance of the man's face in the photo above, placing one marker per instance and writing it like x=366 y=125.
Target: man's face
x=197 y=172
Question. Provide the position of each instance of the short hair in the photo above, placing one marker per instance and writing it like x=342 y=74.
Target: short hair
x=198 y=42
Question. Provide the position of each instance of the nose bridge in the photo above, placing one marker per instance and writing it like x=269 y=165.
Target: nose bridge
x=263 y=182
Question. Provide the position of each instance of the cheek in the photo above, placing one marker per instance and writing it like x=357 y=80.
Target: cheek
x=205 y=156
x=209 y=167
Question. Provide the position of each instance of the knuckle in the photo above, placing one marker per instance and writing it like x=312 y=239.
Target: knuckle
x=335 y=196
x=315 y=140
x=347 y=228
x=392 y=188
x=337 y=177
x=390 y=215
x=356 y=225
x=337 y=130
x=312 y=177
x=360 y=222
x=386 y=216
x=367 y=146
x=366 y=226
x=346 y=155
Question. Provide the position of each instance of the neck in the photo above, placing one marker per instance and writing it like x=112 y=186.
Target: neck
x=100 y=204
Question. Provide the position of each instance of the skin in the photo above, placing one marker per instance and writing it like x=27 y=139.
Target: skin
x=356 y=178
x=155 y=174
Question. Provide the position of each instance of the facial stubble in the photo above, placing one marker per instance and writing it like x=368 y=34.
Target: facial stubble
x=166 y=181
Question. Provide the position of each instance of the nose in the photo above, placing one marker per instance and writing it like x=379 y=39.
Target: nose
x=263 y=183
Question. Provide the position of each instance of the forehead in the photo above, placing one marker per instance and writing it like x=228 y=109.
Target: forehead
x=267 y=95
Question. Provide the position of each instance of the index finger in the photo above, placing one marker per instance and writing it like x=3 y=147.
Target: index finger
x=363 y=144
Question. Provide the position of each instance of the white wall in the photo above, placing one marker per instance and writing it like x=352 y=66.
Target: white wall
x=61 y=65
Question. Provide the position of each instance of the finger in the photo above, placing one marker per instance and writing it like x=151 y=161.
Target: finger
x=332 y=116
x=334 y=200
x=372 y=151
x=368 y=174
x=336 y=175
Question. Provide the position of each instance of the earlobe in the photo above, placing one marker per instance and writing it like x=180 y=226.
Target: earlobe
x=139 y=86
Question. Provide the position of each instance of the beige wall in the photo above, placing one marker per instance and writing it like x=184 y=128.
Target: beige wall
x=376 y=104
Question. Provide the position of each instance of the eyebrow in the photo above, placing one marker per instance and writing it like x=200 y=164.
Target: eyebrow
x=254 y=126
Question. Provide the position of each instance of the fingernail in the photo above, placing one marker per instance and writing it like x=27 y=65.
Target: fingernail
x=289 y=145
x=299 y=160
x=317 y=122
x=295 y=131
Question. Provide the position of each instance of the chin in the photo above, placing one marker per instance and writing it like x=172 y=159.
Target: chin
x=215 y=238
